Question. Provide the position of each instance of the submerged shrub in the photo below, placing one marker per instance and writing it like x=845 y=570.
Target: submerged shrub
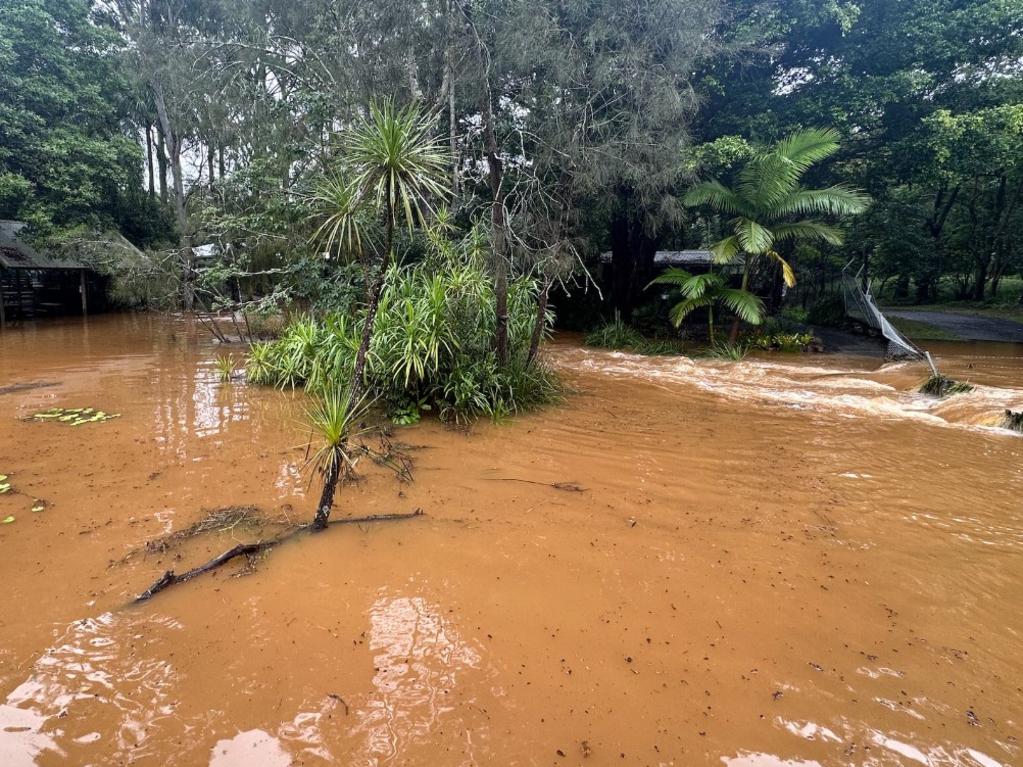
x=942 y=386
x=784 y=342
x=726 y=351
x=615 y=335
x=1013 y=421
x=431 y=348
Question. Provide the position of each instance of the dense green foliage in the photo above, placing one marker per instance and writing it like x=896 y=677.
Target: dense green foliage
x=65 y=156
x=430 y=351
x=569 y=129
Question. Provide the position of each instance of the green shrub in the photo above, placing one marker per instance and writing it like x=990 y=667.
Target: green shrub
x=431 y=348
x=614 y=335
x=784 y=342
x=723 y=350
x=827 y=311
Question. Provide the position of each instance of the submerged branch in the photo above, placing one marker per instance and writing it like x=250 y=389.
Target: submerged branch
x=170 y=578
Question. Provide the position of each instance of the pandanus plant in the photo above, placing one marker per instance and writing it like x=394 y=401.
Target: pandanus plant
x=769 y=206
x=334 y=420
x=394 y=169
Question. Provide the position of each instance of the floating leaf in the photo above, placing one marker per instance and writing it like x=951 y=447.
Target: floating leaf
x=3 y=478
x=75 y=416
x=39 y=507
x=7 y=520
x=5 y=488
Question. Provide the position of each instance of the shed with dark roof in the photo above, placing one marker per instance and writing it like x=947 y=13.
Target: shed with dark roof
x=36 y=284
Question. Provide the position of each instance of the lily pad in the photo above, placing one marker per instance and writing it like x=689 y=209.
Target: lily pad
x=7 y=520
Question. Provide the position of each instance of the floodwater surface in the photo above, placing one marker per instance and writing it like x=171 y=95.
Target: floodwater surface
x=783 y=562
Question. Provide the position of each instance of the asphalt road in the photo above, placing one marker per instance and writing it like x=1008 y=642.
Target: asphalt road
x=968 y=327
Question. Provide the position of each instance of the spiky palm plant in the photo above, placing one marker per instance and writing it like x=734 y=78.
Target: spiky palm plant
x=705 y=291
x=334 y=421
x=397 y=169
x=769 y=206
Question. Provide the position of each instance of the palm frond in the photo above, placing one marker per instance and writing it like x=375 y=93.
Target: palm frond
x=671 y=276
x=752 y=237
x=808 y=231
x=717 y=196
x=838 y=200
x=805 y=147
x=787 y=272
x=684 y=308
x=744 y=304
x=724 y=251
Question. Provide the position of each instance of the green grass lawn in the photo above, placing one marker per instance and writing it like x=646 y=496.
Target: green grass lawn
x=921 y=331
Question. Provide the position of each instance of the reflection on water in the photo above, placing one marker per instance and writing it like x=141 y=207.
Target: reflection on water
x=253 y=748
x=89 y=674
x=418 y=658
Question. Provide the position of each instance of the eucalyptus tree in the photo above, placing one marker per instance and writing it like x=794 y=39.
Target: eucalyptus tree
x=768 y=205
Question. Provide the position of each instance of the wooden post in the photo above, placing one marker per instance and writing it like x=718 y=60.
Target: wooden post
x=85 y=297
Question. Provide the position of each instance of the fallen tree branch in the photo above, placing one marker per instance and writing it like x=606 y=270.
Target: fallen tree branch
x=27 y=386
x=170 y=578
x=570 y=487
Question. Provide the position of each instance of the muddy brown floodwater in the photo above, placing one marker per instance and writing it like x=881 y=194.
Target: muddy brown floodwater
x=786 y=561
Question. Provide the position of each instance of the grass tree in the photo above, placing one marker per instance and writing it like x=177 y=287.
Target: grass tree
x=769 y=206
x=701 y=291
x=395 y=169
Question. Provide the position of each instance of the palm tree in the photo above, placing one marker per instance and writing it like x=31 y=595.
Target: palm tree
x=769 y=206
x=395 y=169
x=706 y=290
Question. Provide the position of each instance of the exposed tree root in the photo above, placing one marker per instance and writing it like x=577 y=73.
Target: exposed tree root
x=170 y=578
x=568 y=487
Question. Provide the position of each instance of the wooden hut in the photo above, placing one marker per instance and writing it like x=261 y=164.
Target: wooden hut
x=34 y=284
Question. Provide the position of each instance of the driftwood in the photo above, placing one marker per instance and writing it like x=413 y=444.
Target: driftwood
x=28 y=386
x=170 y=578
x=569 y=487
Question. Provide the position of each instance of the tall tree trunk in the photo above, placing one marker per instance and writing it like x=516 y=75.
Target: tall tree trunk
x=733 y=335
x=449 y=74
x=497 y=221
x=372 y=305
x=220 y=161
x=633 y=254
x=149 y=160
x=540 y=323
x=187 y=255
x=161 y=160
x=210 y=158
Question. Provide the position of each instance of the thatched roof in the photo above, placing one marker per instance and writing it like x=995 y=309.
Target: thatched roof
x=16 y=254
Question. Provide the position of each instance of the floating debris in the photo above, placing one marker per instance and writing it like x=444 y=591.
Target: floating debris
x=1012 y=421
x=7 y=520
x=38 y=505
x=5 y=486
x=941 y=386
x=75 y=416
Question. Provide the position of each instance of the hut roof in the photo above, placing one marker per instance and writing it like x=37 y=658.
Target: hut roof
x=676 y=257
x=17 y=254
